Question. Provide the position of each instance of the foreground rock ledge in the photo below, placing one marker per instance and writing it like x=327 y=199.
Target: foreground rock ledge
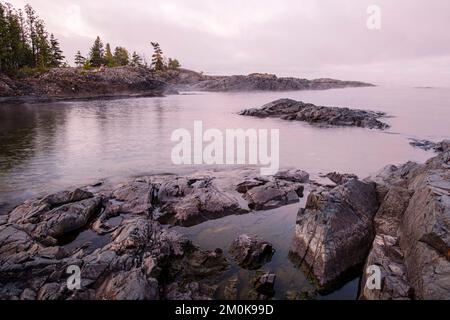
x=289 y=109
x=114 y=235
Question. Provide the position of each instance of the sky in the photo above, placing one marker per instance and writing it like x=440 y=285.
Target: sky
x=301 y=38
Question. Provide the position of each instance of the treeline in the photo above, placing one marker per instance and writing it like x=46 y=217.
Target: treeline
x=100 y=55
x=24 y=41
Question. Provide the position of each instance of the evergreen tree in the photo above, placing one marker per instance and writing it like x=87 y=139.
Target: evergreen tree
x=173 y=64
x=96 y=53
x=136 y=60
x=43 y=47
x=108 y=57
x=57 y=56
x=157 y=57
x=121 y=56
x=24 y=41
x=79 y=59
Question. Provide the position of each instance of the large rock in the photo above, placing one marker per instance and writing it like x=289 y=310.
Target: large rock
x=289 y=109
x=334 y=231
x=413 y=231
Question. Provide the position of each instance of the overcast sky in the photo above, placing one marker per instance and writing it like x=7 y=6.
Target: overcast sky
x=304 y=38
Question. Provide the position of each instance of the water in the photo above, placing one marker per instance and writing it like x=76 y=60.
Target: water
x=52 y=146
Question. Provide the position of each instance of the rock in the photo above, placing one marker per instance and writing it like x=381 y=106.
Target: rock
x=230 y=291
x=188 y=201
x=425 y=235
x=250 y=252
x=289 y=109
x=423 y=144
x=413 y=231
x=340 y=178
x=270 y=82
x=190 y=291
x=263 y=283
x=299 y=176
x=131 y=285
x=302 y=295
x=386 y=255
x=270 y=194
x=334 y=232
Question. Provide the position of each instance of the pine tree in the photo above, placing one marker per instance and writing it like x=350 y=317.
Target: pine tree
x=96 y=53
x=79 y=59
x=44 y=51
x=121 y=56
x=57 y=56
x=108 y=57
x=173 y=64
x=157 y=57
x=136 y=60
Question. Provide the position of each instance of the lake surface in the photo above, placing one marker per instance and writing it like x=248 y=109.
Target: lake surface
x=52 y=146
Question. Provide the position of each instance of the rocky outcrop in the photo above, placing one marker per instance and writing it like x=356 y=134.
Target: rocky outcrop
x=113 y=234
x=250 y=252
x=334 y=232
x=77 y=83
x=289 y=109
x=269 y=82
x=412 y=245
x=429 y=145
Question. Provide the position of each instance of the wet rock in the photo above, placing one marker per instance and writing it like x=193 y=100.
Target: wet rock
x=301 y=295
x=423 y=144
x=289 y=109
x=273 y=194
x=230 y=291
x=189 y=291
x=334 y=232
x=189 y=201
x=263 y=283
x=250 y=252
x=201 y=264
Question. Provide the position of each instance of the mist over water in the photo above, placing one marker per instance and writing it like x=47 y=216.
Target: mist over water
x=51 y=146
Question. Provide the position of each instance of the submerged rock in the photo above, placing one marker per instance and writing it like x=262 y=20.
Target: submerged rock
x=289 y=109
x=250 y=252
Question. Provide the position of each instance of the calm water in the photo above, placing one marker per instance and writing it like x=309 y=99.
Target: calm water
x=49 y=147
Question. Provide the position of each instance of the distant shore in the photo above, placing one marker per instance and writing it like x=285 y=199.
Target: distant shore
x=128 y=82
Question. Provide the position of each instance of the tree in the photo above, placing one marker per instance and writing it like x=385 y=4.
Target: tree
x=121 y=56
x=173 y=64
x=108 y=57
x=136 y=60
x=79 y=59
x=96 y=53
x=56 y=53
x=157 y=57
x=43 y=48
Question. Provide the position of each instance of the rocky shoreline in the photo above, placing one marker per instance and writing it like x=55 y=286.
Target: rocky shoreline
x=288 y=109
x=398 y=220
x=127 y=82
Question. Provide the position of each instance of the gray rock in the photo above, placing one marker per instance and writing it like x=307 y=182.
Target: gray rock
x=250 y=252
x=289 y=109
x=334 y=232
